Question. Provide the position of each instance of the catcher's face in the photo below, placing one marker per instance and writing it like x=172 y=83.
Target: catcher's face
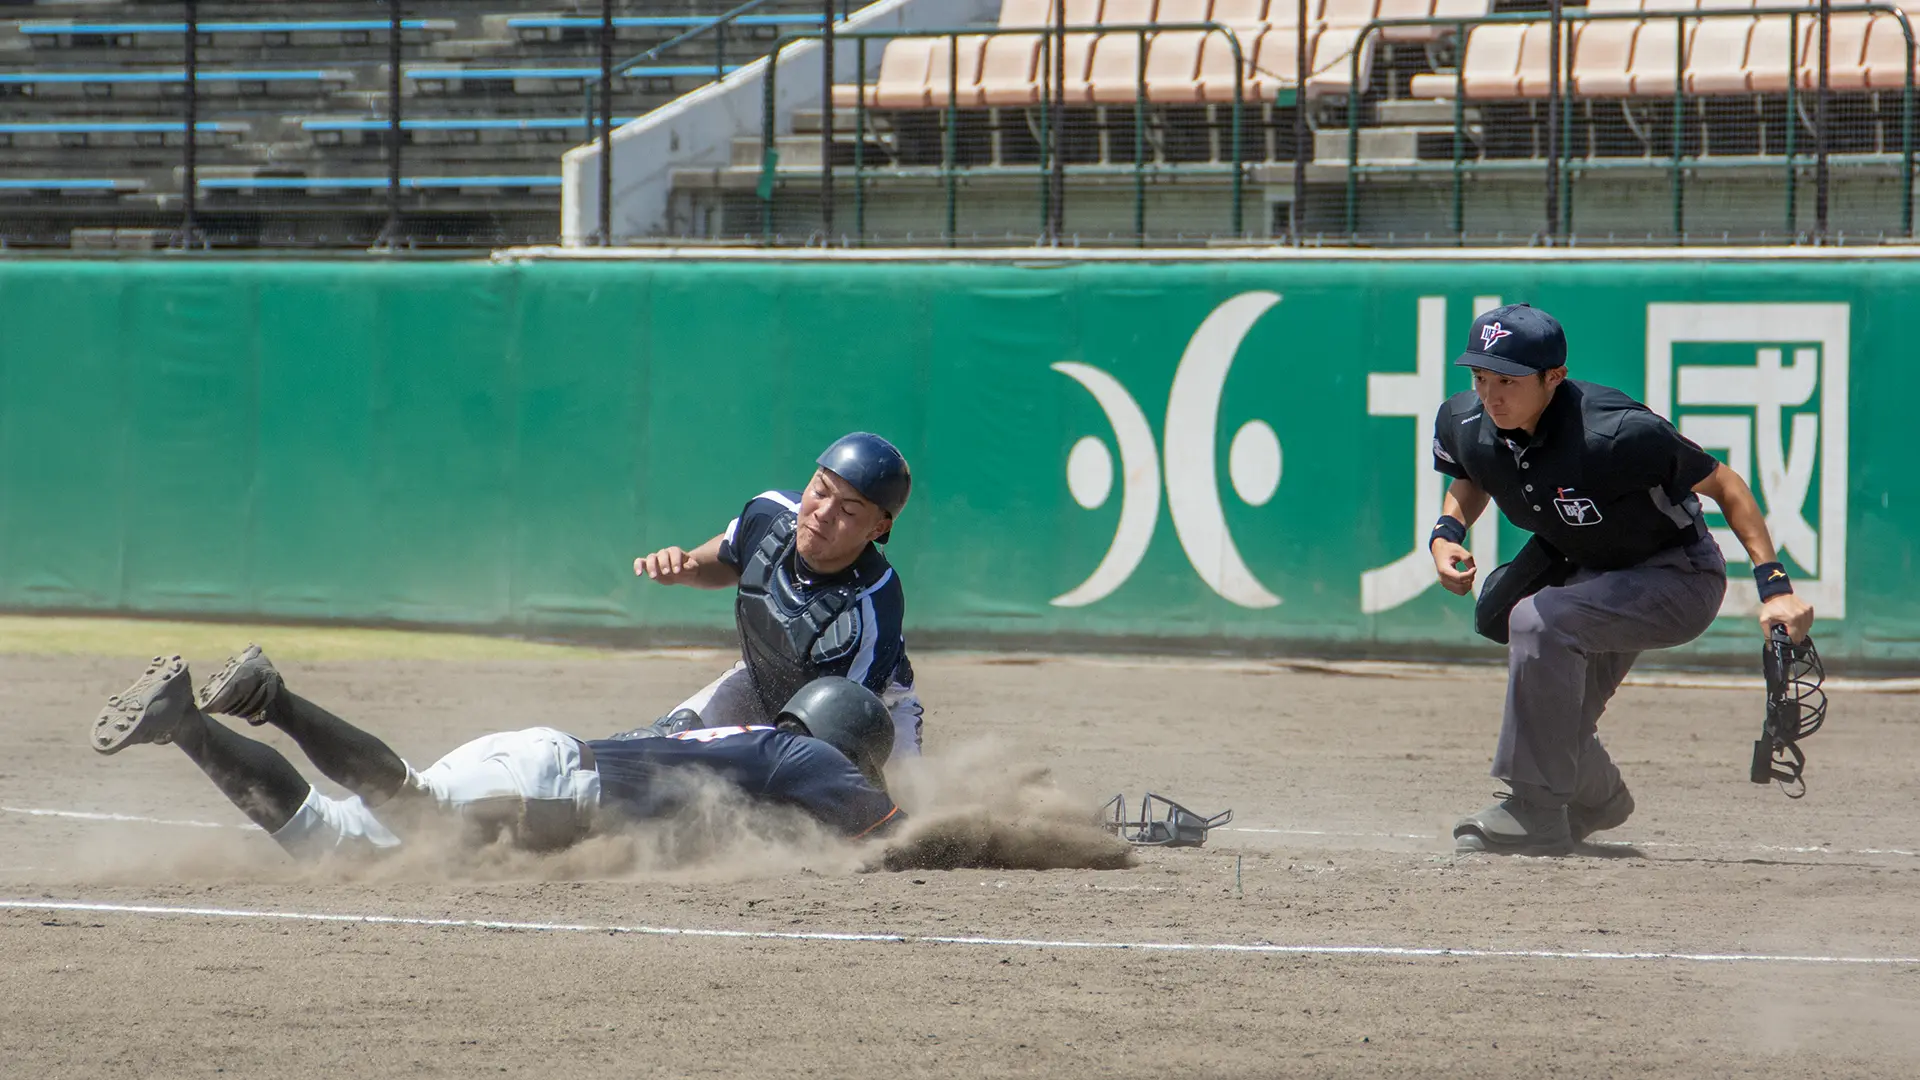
x=836 y=523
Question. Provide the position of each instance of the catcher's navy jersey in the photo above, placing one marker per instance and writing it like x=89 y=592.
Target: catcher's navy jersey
x=878 y=659
x=653 y=777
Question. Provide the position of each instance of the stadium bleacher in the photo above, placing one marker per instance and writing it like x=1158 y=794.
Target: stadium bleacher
x=292 y=111
x=1647 y=57
x=294 y=115
x=1716 y=87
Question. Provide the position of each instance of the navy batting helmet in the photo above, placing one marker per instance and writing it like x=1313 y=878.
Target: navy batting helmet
x=846 y=716
x=874 y=467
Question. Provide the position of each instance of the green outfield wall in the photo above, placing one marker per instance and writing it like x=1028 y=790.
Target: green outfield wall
x=1207 y=453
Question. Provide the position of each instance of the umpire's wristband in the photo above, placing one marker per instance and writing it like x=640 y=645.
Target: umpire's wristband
x=1448 y=528
x=1772 y=580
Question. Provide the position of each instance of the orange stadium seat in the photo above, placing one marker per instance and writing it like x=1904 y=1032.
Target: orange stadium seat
x=1491 y=68
x=1656 y=59
x=1717 y=57
x=1126 y=12
x=1603 y=52
x=1407 y=9
x=1173 y=67
x=1463 y=9
x=904 y=70
x=955 y=63
x=1242 y=12
x=1114 y=76
x=1769 y=52
x=1183 y=11
x=1886 y=55
x=1535 y=74
x=1333 y=57
x=1269 y=65
x=1010 y=71
x=1846 y=51
x=1015 y=13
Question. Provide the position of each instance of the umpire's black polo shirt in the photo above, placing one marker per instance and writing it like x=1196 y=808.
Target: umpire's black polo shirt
x=1603 y=479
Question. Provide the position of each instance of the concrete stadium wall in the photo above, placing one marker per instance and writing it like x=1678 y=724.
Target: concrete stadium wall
x=1226 y=451
x=697 y=131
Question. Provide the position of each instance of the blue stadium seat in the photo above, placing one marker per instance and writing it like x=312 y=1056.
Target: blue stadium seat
x=86 y=184
x=371 y=183
x=659 y=71
x=657 y=22
x=456 y=123
x=15 y=78
x=114 y=127
x=57 y=28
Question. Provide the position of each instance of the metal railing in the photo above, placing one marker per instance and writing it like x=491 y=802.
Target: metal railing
x=387 y=162
x=598 y=89
x=1559 y=164
x=1052 y=167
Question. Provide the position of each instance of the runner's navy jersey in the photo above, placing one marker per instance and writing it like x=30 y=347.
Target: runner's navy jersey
x=880 y=657
x=653 y=777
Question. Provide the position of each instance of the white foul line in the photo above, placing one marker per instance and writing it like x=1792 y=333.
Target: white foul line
x=1256 y=948
x=90 y=815
x=139 y=819
x=1812 y=849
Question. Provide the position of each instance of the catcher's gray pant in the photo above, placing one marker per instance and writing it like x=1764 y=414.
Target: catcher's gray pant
x=1568 y=648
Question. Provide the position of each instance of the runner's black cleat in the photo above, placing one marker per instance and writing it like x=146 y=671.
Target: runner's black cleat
x=244 y=688
x=148 y=711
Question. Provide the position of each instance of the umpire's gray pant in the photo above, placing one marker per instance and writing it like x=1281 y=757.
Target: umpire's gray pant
x=1568 y=648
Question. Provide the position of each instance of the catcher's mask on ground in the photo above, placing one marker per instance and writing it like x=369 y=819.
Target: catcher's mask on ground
x=1180 y=827
x=846 y=716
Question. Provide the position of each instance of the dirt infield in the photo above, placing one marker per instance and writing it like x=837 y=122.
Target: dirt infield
x=1724 y=931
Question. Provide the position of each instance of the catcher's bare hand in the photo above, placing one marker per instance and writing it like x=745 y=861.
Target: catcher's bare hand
x=668 y=566
x=1454 y=564
x=1790 y=611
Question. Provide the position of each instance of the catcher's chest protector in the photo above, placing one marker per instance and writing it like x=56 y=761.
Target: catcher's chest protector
x=790 y=636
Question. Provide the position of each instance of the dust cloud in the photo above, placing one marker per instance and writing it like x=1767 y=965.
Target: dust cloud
x=978 y=805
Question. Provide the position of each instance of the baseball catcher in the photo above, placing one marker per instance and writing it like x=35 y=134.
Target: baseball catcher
x=813 y=594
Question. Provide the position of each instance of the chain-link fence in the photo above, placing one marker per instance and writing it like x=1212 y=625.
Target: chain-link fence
x=318 y=125
x=442 y=123
x=1406 y=122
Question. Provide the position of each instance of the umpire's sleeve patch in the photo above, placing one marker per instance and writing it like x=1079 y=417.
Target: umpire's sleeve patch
x=1441 y=452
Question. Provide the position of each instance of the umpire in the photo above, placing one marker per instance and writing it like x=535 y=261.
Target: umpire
x=1620 y=561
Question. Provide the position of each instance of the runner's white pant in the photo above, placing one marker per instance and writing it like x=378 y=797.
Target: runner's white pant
x=729 y=701
x=499 y=777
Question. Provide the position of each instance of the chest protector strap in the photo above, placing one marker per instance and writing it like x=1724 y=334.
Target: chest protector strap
x=789 y=634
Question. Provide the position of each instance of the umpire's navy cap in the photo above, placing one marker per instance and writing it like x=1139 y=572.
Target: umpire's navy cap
x=1515 y=340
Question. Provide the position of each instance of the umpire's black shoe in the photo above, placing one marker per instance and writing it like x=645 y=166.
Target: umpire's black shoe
x=149 y=710
x=244 y=688
x=1514 y=826
x=1584 y=821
